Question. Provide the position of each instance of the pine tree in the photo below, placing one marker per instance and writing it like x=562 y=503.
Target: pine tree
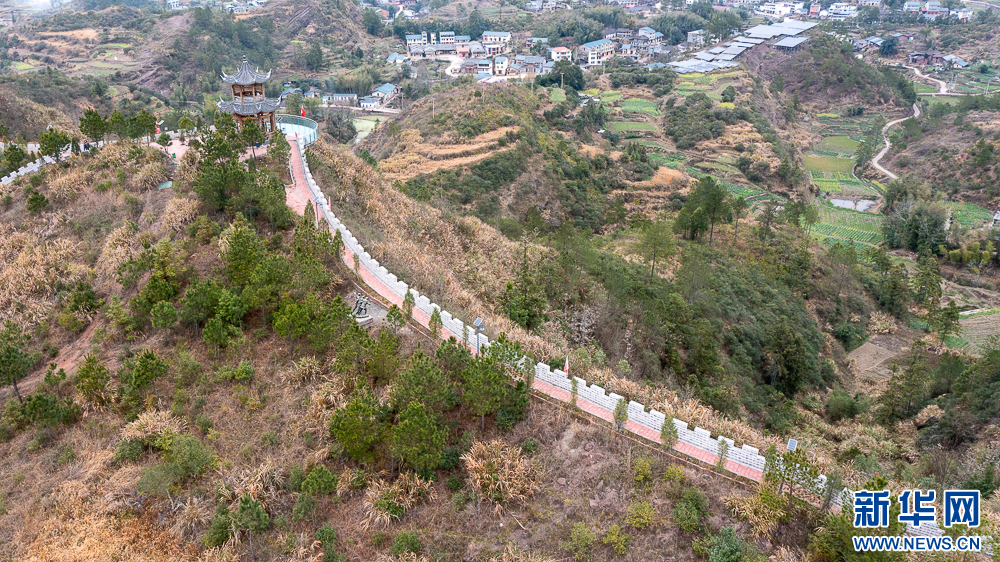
x=408 y=303
x=164 y=314
x=92 y=380
x=320 y=482
x=14 y=360
x=927 y=283
x=421 y=382
x=251 y=517
x=419 y=439
x=435 y=324
x=483 y=387
x=656 y=243
x=291 y=321
x=621 y=414
x=358 y=426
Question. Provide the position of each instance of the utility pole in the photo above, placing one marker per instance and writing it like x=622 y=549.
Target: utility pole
x=988 y=85
x=562 y=84
x=432 y=108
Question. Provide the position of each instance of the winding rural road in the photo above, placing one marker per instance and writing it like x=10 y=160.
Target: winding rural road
x=916 y=113
x=942 y=85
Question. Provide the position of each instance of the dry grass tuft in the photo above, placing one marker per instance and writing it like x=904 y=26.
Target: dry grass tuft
x=306 y=370
x=500 y=474
x=30 y=268
x=119 y=247
x=147 y=177
x=404 y=557
x=881 y=323
x=385 y=502
x=262 y=483
x=179 y=212
x=153 y=423
x=762 y=517
x=513 y=554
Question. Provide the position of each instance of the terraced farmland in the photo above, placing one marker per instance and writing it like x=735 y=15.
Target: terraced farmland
x=640 y=106
x=980 y=328
x=627 y=126
x=815 y=162
x=611 y=95
x=846 y=233
x=837 y=145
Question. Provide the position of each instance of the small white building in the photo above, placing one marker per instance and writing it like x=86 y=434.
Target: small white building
x=500 y=66
x=561 y=53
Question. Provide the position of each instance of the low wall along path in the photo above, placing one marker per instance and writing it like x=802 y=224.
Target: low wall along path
x=694 y=442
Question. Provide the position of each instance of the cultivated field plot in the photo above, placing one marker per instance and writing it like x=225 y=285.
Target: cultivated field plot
x=978 y=329
x=744 y=191
x=841 y=145
x=672 y=161
x=716 y=166
x=846 y=233
x=839 y=183
x=856 y=127
x=968 y=214
x=845 y=217
x=831 y=164
x=628 y=126
x=656 y=145
x=641 y=106
x=708 y=84
x=828 y=241
x=557 y=95
x=611 y=95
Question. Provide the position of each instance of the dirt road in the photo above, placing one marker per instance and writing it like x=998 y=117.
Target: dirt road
x=885 y=130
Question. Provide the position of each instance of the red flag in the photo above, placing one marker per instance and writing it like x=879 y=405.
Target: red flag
x=566 y=368
x=303 y=112
x=157 y=129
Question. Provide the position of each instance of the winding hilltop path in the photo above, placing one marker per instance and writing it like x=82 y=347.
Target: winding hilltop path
x=885 y=130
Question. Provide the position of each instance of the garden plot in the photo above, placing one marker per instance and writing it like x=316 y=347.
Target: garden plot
x=979 y=328
x=557 y=95
x=968 y=214
x=641 y=106
x=830 y=164
x=628 y=126
x=844 y=225
x=841 y=145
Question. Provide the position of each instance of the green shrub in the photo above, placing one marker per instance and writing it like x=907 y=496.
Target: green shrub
x=407 y=541
x=66 y=456
x=296 y=476
x=219 y=531
x=530 y=446
x=581 y=539
x=841 y=405
x=241 y=373
x=327 y=536
x=642 y=471
x=728 y=547
x=617 y=540
x=455 y=483
x=269 y=438
x=128 y=450
x=450 y=458
x=690 y=509
x=305 y=507
x=640 y=515
x=668 y=434
x=203 y=422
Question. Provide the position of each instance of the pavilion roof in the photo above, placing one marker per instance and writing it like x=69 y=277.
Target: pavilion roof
x=246 y=76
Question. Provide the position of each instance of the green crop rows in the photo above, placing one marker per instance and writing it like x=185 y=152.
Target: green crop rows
x=623 y=126
x=742 y=190
x=641 y=106
x=968 y=214
x=853 y=219
x=828 y=163
x=847 y=233
x=611 y=95
x=557 y=95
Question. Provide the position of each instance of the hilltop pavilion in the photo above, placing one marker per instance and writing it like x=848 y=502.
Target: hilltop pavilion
x=249 y=102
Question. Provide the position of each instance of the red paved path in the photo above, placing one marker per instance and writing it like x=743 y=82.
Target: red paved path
x=298 y=195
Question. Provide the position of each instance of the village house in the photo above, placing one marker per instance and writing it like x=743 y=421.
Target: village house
x=341 y=100
x=500 y=66
x=696 y=38
x=841 y=11
x=596 y=52
x=962 y=14
x=530 y=64
x=561 y=53
x=496 y=37
x=870 y=3
x=933 y=9
x=911 y=7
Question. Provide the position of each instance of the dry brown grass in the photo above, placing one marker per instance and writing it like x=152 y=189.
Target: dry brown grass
x=119 y=247
x=72 y=530
x=179 y=212
x=381 y=498
x=153 y=423
x=30 y=268
x=500 y=474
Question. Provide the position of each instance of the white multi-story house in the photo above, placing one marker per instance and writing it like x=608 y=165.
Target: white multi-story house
x=496 y=37
x=447 y=37
x=870 y=3
x=500 y=66
x=841 y=11
x=912 y=7
x=561 y=53
x=596 y=52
